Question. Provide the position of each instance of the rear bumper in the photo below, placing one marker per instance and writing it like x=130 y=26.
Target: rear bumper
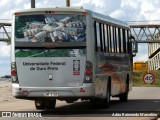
x=86 y=90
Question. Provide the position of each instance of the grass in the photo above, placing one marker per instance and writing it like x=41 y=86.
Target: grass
x=138 y=78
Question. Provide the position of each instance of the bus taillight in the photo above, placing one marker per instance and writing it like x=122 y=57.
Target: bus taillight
x=50 y=12
x=14 y=73
x=84 y=13
x=16 y=14
x=88 y=73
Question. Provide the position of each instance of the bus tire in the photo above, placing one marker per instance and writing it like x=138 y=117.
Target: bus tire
x=108 y=93
x=124 y=96
x=94 y=101
x=106 y=101
x=50 y=104
x=39 y=104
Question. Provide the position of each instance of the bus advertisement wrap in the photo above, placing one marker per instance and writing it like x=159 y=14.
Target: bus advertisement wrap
x=50 y=28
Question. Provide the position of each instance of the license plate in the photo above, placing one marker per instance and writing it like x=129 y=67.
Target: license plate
x=51 y=94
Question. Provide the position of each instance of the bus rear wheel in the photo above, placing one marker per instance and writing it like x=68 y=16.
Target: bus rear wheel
x=124 y=96
x=103 y=102
x=106 y=101
x=45 y=104
x=50 y=104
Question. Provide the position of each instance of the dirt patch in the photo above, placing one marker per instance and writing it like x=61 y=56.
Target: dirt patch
x=6 y=92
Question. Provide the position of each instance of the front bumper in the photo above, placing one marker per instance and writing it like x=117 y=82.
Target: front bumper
x=86 y=90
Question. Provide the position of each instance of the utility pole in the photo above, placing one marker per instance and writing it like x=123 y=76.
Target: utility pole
x=32 y=3
x=67 y=3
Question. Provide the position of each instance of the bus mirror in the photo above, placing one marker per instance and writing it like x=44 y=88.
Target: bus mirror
x=135 y=47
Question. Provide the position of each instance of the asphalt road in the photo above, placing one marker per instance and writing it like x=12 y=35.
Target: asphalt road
x=141 y=100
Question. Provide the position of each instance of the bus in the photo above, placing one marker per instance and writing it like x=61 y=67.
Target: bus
x=69 y=54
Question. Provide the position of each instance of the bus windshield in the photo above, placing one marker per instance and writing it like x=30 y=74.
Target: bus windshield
x=50 y=28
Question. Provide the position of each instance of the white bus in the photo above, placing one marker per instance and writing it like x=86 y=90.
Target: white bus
x=69 y=54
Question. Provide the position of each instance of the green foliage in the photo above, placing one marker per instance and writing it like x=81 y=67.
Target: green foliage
x=138 y=78
x=42 y=53
x=19 y=28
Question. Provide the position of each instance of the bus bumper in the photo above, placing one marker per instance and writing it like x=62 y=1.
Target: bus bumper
x=86 y=90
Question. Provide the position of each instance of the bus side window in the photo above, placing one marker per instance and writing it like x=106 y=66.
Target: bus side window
x=106 y=38
x=128 y=41
x=95 y=36
x=103 y=37
x=110 y=44
x=124 y=40
x=98 y=37
x=119 y=40
x=117 y=43
x=121 y=35
x=110 y=39
x=114 y=40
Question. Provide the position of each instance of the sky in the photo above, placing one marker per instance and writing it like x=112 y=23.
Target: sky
x=126 y=10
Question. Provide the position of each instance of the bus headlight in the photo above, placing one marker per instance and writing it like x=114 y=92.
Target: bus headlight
x=14 y=73
x=88 y=72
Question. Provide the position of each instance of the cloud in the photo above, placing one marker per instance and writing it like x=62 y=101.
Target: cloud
x=141 y=57
x=27 y=6
x=4 y=61
x=5 y=71
x=137 y=10
x=18 y=2
x=4 y=66
x=130 y=4
x=4 y=50
x=120 y=14
x=142 y=54
x=4 y=3
x=100 y=6
x=152 y=12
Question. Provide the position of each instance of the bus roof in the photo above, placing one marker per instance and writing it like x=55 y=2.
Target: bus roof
x=67 y=9
x=95 y=15
x=109 y=19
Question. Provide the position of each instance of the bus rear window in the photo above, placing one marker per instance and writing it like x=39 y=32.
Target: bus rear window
x=50 y=28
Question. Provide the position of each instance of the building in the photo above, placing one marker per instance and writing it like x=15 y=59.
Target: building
x=35 y=25
x=154 y=54
x=140 y=65
x=65 y=20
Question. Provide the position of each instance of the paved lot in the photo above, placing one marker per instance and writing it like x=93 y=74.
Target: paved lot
x=141 y=99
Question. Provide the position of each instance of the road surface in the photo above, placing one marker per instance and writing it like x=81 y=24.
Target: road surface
x=141 y=99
